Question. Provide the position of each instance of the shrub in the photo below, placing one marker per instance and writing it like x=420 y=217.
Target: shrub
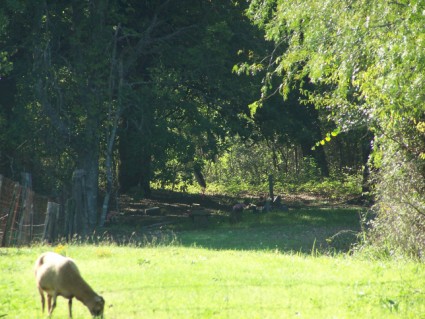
x=400 y=223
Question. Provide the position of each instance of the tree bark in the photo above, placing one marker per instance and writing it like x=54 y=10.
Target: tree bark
x=89 y=162
x=80 y=199
x=114 y=117
x=145 y=177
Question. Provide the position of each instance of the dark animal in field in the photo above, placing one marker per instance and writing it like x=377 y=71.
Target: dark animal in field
x=236 y=214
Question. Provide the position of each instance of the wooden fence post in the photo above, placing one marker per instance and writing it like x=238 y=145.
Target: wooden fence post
x=26 y=210
x=52 y=214
x=79 y=196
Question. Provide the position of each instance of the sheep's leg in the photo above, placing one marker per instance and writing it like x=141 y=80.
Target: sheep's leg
x=43 y=300
x=53 y=305
x=70 y=307
x=49 y=304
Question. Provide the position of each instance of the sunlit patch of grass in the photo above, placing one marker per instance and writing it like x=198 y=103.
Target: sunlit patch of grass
x=268 y=266
x=183 y=282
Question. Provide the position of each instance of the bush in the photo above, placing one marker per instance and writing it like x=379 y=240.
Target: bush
x=400 y=224
x=345 y=186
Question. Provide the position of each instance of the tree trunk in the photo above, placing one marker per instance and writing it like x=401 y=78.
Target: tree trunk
x=145 y=177
x=89 y=161
x=109 y=168
x=108 y=191
x=79 y=215
x=114 y=117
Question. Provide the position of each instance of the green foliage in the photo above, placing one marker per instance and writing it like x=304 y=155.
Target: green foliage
x=347 y=186
x=366 y=63
x=328 y=138
x=162 y=73
x=162 y=69
x=191 y=101
x=245 y=168
x=355 y=50
x=5 y=64
x=400 y=225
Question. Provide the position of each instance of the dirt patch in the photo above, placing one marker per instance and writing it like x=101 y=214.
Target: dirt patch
x=165 y=207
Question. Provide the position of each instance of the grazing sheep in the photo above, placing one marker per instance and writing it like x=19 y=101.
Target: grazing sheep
x=57 y=275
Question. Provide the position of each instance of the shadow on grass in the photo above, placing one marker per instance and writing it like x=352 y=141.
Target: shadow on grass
x=298 y=230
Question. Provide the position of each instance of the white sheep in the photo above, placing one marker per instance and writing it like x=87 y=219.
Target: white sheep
x=57 y=275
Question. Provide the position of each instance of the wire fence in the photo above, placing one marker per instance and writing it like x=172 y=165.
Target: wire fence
x=22 y=213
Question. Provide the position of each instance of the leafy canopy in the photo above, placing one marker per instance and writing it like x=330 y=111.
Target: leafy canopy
x=366 y=58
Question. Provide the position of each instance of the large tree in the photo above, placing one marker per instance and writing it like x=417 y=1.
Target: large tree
x=77 y=67
x=192 y=101
x=155 y=76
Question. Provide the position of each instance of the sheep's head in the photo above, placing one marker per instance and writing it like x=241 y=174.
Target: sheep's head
x=96 y=306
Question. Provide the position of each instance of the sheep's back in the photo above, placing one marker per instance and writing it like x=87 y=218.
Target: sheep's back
x=56 y=274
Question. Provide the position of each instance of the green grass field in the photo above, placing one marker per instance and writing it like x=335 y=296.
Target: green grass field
x=220 y=280
x=296 y=230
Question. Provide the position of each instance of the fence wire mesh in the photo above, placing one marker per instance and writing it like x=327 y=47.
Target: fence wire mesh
x=22 y=214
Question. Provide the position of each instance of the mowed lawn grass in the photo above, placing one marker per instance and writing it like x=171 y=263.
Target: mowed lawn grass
x=191 y=282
